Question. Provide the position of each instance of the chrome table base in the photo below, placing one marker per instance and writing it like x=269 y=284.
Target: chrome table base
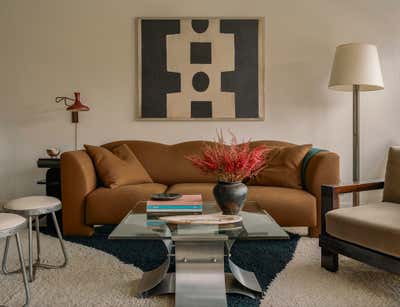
x=199 y=279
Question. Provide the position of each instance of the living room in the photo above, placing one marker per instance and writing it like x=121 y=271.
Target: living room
x=313 y=83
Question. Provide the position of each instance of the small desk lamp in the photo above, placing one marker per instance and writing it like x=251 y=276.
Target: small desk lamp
x=74 y=108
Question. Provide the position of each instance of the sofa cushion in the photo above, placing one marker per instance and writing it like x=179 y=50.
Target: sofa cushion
x=289 y=207
x=119 y=167
x=205 y=189
x=391 y=191
x=167 y=164
x=375 y=226
x=109 y=206
x=284 y=167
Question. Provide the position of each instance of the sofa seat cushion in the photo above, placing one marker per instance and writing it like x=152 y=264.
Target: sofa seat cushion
x=205 y=189
x=375 y=226
x=109 y=206
x=289 y=207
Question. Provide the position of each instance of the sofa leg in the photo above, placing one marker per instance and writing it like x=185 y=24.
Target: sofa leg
x=313 y=232
x=329 y=260
x=77 y=230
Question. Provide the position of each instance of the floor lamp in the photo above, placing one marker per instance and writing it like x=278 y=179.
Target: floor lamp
x=356 y=68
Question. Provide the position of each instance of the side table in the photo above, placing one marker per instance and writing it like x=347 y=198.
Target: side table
x=53 y=185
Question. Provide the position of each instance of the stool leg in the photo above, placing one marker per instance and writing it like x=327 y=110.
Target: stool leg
x=30 y=243
x=60 y=238
x=37 y=239
x=4 y=262
x=21 y=260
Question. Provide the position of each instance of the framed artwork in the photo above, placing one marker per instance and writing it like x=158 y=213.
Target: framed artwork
x=200 y=68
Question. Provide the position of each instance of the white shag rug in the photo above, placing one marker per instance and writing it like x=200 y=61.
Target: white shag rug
x=91 y=278
x=95 y=278
x=303 y=283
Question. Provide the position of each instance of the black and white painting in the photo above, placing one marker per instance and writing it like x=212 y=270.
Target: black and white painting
x=200 y=68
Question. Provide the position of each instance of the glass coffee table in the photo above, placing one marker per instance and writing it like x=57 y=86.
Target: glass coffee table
x=197 y=252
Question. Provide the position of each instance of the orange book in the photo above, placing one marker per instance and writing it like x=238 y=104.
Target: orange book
x=184 y=200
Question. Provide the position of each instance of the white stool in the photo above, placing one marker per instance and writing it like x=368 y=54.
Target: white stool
x=10 y=225
x=32 y=207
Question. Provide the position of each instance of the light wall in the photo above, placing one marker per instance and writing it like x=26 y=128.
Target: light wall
x=52 y=47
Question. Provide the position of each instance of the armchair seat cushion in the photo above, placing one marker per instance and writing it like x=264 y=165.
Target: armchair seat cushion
x=109 y=206
x=375 y=226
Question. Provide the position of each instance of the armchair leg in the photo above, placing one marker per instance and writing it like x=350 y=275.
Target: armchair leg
x=329 y=260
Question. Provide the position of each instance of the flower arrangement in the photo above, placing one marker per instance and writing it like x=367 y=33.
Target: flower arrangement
x=231 y=162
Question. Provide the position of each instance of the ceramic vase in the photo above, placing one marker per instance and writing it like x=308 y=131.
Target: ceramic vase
x=230 y=196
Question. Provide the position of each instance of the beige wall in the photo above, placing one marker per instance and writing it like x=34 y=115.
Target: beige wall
x=53 y=47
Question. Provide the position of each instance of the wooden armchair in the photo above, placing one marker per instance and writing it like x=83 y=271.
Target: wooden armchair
x=369 y=233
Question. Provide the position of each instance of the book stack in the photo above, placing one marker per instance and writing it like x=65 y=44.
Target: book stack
x=187 y=204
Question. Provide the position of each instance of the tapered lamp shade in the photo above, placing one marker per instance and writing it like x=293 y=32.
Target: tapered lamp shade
x=78 y=106
x=356 y=64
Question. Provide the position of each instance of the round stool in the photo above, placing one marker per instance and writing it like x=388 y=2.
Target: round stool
x=10 y=225
x=31 y=207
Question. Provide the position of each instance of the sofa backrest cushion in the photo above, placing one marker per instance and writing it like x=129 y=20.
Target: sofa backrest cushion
x=117 y=167
x=167 y=164
x=391 y=192
x=284 y=167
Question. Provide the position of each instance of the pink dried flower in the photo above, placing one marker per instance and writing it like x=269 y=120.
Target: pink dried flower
x=233 y=162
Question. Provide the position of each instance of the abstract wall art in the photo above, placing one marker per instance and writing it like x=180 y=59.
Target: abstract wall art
x=200 y=69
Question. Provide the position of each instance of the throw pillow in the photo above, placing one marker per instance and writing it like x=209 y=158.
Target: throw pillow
x=117 y=167
x=284 y=167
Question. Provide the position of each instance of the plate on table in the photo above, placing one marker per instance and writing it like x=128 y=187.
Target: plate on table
x=203 y=219
x=166 y=196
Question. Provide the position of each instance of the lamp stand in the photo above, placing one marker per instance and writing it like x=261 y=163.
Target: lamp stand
x=356 y=141
x=74 y=108
x=75 y=120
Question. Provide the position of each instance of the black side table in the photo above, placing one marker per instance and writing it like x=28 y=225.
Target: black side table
x=53 y=185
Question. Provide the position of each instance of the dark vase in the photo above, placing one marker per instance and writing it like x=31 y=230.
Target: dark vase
x=230 y=196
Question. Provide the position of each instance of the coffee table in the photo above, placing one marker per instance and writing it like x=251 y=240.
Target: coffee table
x=197 y=252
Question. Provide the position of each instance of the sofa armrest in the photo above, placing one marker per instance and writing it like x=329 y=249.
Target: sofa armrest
x=78 y=179
x=323 y=168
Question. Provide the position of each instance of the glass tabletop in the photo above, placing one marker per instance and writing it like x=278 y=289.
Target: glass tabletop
x=256 y=224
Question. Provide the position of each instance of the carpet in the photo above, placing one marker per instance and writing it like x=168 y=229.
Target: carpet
x=303 y=283
x=147 y=255
x=102 y=272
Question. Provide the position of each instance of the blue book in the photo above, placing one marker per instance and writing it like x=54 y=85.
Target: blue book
x=155 y=223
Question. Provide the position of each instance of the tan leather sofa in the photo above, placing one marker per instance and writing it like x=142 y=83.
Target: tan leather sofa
x=85 y=203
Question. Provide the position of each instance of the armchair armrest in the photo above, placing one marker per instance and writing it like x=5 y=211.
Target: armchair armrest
x=354 y=187
x=330 y=195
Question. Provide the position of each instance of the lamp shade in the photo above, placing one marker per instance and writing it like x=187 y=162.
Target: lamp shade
x=356 y=64
x=77 y=106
